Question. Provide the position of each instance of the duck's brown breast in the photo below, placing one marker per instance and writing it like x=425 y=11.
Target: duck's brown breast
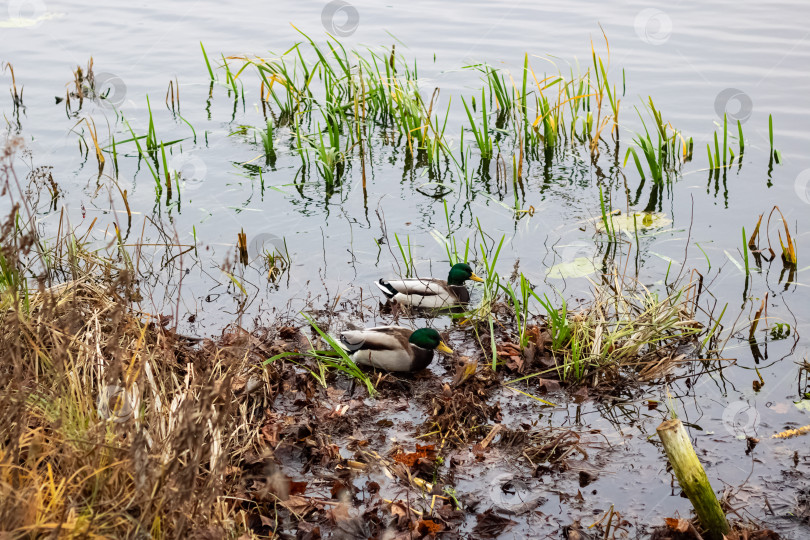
x=461 y=292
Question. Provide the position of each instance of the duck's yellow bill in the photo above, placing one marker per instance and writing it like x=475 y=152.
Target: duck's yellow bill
x=476 y=278
x=444 y=348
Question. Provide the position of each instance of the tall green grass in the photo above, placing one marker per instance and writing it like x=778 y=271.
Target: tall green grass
x=335 y=358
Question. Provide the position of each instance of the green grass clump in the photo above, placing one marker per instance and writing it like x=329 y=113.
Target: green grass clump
x=336 y=358
x=619 y=330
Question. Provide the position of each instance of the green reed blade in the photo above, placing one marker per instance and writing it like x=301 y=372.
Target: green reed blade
x=207 y=63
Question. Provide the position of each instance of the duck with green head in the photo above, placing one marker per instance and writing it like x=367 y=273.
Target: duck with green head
x=393 y=348
x=431 y=293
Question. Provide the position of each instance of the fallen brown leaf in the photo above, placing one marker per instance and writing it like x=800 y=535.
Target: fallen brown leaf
x=491 y=525
x=515 y=363
x=298 y=488
x=548 y=385
x=677 y=524
x=287 y=332
x=427 y=527
x=399 y=509
x=412 y=458
x=297 y=504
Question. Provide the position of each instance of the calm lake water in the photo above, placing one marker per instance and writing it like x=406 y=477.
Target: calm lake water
x=696 y=60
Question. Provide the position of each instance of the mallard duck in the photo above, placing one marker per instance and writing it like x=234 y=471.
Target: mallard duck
x=431 y=293
x=393 y=348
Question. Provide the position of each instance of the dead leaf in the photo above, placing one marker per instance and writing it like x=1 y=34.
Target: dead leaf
x=677 y=524
x=508 y=349
x=548 y=385
x=540 y=338
x=427 y=527
x=287 y=332
x=339 y=512
x=298 y=505
x=399 y=509
x=491 y=525
x=298 y=488
x=421 y=452
x=581 y=395
x=515 y=363
x=313 y=533
x=237 y=384
x=339 y=487
x=270 y=431
x=546 y=361
x=585 y=478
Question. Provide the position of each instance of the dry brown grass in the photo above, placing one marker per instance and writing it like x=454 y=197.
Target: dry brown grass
x=111 y=424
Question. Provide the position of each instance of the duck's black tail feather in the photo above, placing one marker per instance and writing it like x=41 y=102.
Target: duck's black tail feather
x=350 y=345
x=386 y=288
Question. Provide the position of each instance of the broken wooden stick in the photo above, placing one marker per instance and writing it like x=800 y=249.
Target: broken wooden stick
x=692 y=478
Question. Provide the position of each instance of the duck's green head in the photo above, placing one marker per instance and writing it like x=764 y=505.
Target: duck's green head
x=428 y=338
x=460 y=273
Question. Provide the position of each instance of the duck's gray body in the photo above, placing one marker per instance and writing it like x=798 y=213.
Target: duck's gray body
x=386 y=347
x=427 y=293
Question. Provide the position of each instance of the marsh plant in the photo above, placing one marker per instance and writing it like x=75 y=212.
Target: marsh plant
x=112 y=424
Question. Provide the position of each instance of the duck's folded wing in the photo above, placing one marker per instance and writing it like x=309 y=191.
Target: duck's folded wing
x=422 y=287
x=379 y=338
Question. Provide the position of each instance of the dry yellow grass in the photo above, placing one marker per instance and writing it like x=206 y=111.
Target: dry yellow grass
x=111 y=424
